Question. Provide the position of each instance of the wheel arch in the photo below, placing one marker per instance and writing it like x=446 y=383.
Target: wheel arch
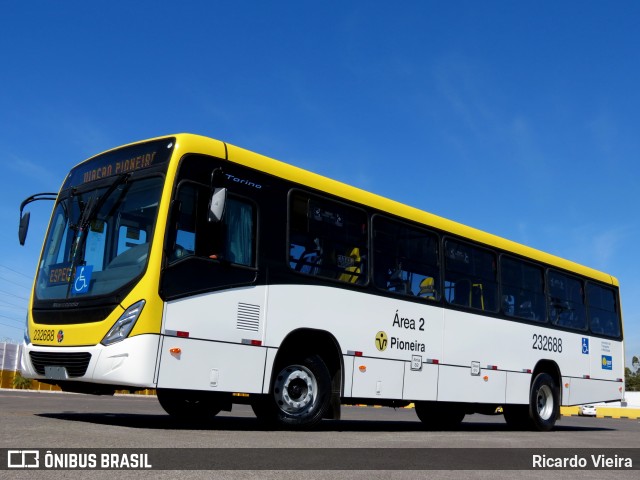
x=550 y=367
x=307 y=341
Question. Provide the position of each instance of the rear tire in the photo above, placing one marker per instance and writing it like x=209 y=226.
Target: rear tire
x=544 y=402
x=300 y=394
x=188 y=405
x=543 y=409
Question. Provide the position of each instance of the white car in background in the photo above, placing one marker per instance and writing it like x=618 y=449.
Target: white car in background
x=587 y=410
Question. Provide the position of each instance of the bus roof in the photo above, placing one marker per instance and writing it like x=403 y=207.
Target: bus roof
x=189 y=143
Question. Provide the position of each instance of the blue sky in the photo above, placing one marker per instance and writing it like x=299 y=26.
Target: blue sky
x=519 y=118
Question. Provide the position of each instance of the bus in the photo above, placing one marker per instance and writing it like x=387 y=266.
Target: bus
x=218 y=276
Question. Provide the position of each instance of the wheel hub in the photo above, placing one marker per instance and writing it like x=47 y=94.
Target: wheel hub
x=295 y=390
x=545 y=402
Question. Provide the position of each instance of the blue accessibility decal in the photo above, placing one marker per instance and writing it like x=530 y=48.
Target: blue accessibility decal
x=82 y=279
x=585 y=346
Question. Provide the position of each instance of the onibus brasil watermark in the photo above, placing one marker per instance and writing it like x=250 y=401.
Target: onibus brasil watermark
x=77 y=460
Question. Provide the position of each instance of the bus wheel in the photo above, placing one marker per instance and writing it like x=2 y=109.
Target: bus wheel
x=188 y=405
x=544 y=402
x=300 y=394
x=439 y=416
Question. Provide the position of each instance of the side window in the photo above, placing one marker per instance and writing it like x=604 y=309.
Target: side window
x=232 y=240
x=405 y=259
x=238 y=231
x=327 y=239
x=522 y=290
x=566 y=301
x=470 y=276
x=603 y=312
x=204 y=256
x=185 y=214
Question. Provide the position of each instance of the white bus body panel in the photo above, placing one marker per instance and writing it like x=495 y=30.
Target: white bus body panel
x=211 y=332
x=456 y=349
x=518 y=386
x=377 y=378
x=420 y=384
x=224 y=316
x=579 y=391
x=458 y=385
x=214 y=366
x=411 y=329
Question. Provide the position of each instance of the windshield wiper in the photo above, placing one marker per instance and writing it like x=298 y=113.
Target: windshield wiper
x=94 y=204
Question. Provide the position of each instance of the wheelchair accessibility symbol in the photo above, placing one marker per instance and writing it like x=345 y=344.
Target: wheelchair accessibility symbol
x=82 y=279
x=585 y=345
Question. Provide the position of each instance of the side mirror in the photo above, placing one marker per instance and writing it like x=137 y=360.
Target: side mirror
x=24 y=227
x=217 y=204
x=24 y=218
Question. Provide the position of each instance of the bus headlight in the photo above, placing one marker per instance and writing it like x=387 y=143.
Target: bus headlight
x=124 y=325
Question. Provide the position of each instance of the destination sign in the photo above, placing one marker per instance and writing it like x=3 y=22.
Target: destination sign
x=123 y=160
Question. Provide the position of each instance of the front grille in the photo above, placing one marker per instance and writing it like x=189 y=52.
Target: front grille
x=76 y=363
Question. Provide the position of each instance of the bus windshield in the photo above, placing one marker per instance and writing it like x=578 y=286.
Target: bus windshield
x=99 y=238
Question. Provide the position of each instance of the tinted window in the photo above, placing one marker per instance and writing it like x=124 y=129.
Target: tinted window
x=522 y=290
x=470 y=276
x=566 y=301
x=603 y=314
x=327 y=239
x=405 y=259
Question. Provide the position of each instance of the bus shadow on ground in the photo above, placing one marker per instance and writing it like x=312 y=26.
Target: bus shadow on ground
x=230 y=423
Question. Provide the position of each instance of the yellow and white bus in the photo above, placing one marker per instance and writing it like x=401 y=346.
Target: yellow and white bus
x=218 y=276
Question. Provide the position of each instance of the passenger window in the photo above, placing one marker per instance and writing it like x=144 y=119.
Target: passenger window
x=603 y=314
x=405 y=259
x=566 y=301
x=522 y=290
x=470 y=276
x=327 y=239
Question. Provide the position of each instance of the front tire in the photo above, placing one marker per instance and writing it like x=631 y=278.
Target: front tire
x=300 y=394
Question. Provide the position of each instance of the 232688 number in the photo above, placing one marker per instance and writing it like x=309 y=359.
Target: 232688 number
x=546 y=343
x=44 y=335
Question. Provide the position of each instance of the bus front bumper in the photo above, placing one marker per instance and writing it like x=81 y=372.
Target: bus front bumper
x=129 y=363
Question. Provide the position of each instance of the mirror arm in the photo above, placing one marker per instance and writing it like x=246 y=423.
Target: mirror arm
x=36 y=197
